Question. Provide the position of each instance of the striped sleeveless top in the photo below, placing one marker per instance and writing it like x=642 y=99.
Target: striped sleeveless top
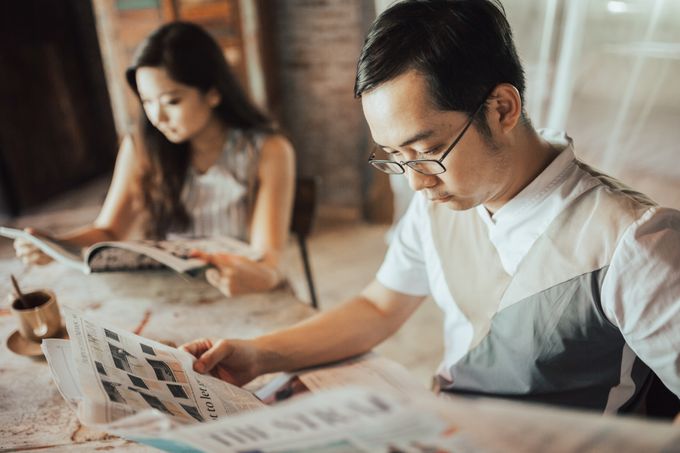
x=220 y=201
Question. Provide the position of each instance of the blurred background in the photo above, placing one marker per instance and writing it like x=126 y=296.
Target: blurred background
x=606 y=71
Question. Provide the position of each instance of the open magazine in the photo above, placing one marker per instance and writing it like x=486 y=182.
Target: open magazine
x=148 y=392
x=133 y=255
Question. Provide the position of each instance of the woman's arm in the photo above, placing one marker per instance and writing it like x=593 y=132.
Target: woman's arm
x=123 y=204
x=120 y=208
x=274 y=203
x=268 y=229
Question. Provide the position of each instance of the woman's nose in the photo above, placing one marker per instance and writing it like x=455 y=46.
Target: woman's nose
x=156 y=114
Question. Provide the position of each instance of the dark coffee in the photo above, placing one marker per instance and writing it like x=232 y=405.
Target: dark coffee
x=33 y=300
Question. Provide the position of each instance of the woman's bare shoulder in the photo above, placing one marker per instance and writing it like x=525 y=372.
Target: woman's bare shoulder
x=276 y=147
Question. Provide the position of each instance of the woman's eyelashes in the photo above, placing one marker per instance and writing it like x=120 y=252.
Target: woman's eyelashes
x=167 y=101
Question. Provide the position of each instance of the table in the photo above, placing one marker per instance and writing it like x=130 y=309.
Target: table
x=161 y=305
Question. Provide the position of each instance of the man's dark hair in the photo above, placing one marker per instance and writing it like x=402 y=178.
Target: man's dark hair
x=464 y=48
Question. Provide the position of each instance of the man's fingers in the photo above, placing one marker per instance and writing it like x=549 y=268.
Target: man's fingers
x=207 y=361
x=197 y=347
x=225 y=375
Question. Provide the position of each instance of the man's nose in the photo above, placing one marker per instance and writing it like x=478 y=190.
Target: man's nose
x=419 y=181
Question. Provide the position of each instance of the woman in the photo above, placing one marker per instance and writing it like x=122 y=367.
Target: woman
x=204 y=162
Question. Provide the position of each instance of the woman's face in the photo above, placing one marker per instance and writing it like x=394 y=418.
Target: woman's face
x=179 y=111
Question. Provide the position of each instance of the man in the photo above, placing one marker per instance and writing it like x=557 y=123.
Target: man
x=558 y=284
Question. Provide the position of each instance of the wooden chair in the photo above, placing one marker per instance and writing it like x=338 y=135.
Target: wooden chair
x=301 y=224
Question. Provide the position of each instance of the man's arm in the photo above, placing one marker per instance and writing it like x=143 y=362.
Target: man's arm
x=354 y=327
x=641 y=292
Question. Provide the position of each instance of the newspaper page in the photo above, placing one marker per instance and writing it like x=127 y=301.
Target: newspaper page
x=368 y=370
x=148 y=392
x=64 y=371
x=352 y=419
x=120 y=373
x=506 y=426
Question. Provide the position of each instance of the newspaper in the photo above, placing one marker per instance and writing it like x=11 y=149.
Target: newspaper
x=133 y=255
x=109 y=373
x=145 y=391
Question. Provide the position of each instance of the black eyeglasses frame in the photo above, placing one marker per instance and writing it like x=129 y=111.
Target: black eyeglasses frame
x=413 y=164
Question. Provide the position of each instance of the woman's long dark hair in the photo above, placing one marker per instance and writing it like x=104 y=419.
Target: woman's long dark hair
x=191 y=57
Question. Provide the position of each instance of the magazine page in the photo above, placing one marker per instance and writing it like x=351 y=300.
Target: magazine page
x=60 y=252
x=351 y=419
x=128 y=255
x=120 y=374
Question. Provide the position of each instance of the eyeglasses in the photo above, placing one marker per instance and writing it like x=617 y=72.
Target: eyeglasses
x=426 y=167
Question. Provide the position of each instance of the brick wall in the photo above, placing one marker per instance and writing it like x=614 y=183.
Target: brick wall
x=317 y=45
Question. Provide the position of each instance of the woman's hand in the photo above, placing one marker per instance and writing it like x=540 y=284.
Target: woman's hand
x=234 y=361
x=29 y=253
x=234 y=275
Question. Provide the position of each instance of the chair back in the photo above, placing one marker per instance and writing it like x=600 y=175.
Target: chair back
x=304 y=209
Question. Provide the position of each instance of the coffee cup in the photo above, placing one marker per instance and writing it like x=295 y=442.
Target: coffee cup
x=38 y=315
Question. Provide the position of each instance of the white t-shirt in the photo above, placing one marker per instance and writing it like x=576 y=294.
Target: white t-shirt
x=640 y=293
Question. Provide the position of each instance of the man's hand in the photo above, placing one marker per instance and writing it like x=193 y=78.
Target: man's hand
x=234 y=361
x=236 y=274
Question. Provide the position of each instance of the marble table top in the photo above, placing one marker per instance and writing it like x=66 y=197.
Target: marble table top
x=161 y=305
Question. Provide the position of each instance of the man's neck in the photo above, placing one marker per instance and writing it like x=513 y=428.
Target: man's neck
x=529 y=156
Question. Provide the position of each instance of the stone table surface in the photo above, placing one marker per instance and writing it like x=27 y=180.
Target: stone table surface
x=161 y=305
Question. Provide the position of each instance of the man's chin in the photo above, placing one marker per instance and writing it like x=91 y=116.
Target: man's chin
x=456 y=204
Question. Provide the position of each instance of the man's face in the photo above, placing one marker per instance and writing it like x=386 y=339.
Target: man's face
x=406 y=125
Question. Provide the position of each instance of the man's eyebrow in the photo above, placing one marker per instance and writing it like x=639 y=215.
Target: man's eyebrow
x=415 y=138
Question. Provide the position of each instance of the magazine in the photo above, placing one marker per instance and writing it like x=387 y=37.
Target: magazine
x=148 y=392
x=133 y=255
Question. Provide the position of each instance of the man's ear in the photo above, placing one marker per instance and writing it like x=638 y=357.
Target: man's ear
x=213 y=97
x=506 y=105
